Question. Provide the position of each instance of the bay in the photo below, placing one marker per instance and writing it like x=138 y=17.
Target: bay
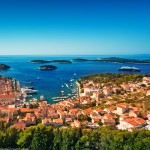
x=49 y=83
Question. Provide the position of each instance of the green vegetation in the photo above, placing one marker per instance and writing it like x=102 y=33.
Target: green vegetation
x=49 y=138
x=80 y=59
x=113 y=78
x=4 y=67
x=62 y=61
x=51 y=61
x=40 y=61
x=122 y=60
x=47 y=67
x=146 y=103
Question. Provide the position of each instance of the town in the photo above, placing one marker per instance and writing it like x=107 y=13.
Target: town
x=120 y=103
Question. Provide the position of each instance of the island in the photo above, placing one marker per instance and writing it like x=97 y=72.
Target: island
x=80 y=59
x=121 y=60
x=47 y=67
x=4 y=67
x=62 y=61
x=40 y=61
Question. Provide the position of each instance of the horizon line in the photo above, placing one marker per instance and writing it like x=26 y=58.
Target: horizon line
x=67 y=54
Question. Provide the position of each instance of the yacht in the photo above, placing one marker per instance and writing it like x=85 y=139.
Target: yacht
x=66 y=85
x=127 y=68
x=30 y=91
x=71 y=80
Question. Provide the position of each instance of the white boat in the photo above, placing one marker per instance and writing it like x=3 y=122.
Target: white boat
x=71 y=80
x=62 y=97
x=42 y=97
x=127 y=68
x=66 y=85
x=29 y=91
x=57 y=100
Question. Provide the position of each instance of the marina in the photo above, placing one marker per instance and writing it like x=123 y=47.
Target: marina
x=51 y=83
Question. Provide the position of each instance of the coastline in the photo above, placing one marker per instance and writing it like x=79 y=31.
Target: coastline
x=49 y=83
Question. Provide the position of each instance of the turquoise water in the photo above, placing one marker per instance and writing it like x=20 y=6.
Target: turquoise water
x=50 y=82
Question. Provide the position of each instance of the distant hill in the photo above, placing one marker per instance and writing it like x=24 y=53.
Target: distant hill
x=122 y=60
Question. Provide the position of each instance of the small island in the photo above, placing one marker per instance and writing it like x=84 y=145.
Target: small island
x=40 y=61
x=62 y=61
x=47 y=67
x=4 y=67
x=80 y=59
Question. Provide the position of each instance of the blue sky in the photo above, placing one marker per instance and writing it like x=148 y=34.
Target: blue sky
x=72 y=27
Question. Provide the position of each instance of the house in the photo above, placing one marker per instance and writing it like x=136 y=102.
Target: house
x=87 y=111
x=92 y=125
x=109 y=119
x=126 y=87
x=122 y=108
x=108 y=110
x=67 y=120
x=108 y=122
x=20 y=125
x=26 y=110
x=107 y=91
x=148 y=116
x=95 y=120
x=109 y=116
x=76 y=124
x=116 y=89
x=148 y=93
x=86 y=101
x=6 y=119
x=53 y=116
x=74 y=113
x=135 y=114
x=129 y=123
x=30 y=119
x=7 y=99
x=98 y=110
x=58 y=122
x=146 y=80
x=47 y=122
x=63 y=114
x=95 y=116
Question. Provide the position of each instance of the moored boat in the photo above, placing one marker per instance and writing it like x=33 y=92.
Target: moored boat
x=127 y=68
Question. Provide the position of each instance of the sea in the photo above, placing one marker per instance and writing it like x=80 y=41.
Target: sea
x=52 y=83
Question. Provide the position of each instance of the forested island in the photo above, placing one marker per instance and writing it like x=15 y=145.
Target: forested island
x=122 y=60
x=47 y=67
x=4 y=67
x=109 y=59
x=40 y=61
x=62 y=61
x=52 y=61
x=80 y=59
